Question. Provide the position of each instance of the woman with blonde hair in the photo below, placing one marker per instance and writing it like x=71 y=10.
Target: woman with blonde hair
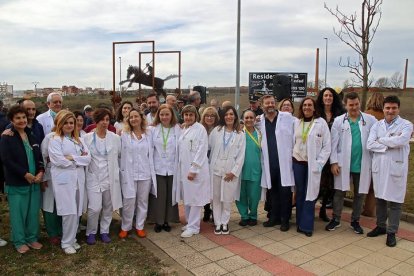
x=165 y=134
x=209 y=119
x=68 y=156
x=137 y=172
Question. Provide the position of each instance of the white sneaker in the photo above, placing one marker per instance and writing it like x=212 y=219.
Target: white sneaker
x=184 y=228
x=188 y=233
x=2 y=242
x=76 y=246
x=225 y=229
x=70 y=250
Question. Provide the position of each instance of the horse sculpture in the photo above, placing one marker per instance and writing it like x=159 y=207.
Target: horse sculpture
x=146 y=79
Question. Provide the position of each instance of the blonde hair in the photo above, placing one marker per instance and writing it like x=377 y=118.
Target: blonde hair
x=212 y=110
x=375 y=102
x=61 y=118
x=127 y=125
x=157 y=119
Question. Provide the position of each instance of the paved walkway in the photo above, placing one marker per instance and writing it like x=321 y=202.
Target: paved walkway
x=268 y=251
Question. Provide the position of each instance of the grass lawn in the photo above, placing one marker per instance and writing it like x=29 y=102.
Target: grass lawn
x=120 y=257
x=409 y=197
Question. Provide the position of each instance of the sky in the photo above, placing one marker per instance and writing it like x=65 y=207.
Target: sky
x=59 y=43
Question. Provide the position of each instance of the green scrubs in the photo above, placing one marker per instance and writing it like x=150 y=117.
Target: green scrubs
x=356 y=148
x=24 y=205
x=250 y=190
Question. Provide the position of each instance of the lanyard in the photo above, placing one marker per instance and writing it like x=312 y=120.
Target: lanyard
x=226 y=141
x=305 y=133
x=257 y=142
x=165 y=138
x=94 y=143
x=76 y=144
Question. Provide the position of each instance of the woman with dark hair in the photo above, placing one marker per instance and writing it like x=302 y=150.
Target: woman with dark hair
x=23 y=164
x=329 y=106
x=102 y=177
x=137 y=172
x=310 y=152
x=286 y=105
x=68 y=156
x=80 y=119
x=209 y=119
x=121 y=115
x=227 y=143
x=192 y=184
x=165 y=134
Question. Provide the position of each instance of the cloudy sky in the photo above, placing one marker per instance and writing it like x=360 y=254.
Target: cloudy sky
x=60 y=43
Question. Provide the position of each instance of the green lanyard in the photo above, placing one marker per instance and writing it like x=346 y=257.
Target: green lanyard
x=305 y=133
x=165 y=138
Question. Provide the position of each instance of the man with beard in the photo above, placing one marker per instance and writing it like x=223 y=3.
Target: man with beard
x=153 y=103
x=277 y=130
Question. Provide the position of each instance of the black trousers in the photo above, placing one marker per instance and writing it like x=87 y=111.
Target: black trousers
x=280 y=201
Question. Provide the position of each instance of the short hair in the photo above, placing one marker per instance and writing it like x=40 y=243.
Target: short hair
x=194 y=95
x=287 y=100
x=15 y=109
x=153 y=95
x=300 y=112
x=190 y=109
x=351 y=96
x=50 y=96
x=375 y=102
x=263 y=98
x=392 y=99
x=157 y=119
x=222 y=122
x=128 y=127
x=212 y=110
x=99 y=114
x=119 y=116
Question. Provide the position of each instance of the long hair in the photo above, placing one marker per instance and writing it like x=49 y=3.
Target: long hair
x=375 y=102
x=300 y=112
x=128 y=127
x=210 y=110
x=119 y=116
x=337 y=106
x=157 y=119
x=61 y=118
x=222 y=122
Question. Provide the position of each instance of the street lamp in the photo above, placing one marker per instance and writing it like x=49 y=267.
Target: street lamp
x=237 y=92
x=326 y=61
x=120 y=76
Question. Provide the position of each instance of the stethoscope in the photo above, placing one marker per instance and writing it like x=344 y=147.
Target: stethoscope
x=346 y=118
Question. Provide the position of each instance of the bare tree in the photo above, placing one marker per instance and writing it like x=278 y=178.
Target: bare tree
x=382 y=82
x=396 y=80
x=358 y=35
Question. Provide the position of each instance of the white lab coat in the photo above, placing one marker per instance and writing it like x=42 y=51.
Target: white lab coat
x=341 y=145
x=68 y=176
x=127 y=179
x=113 y=147
x=390 y=158
x=318 y=147
x=48 y=199
x=230 y=191
x=284 y=139
x=192 y=157
x=46 y=120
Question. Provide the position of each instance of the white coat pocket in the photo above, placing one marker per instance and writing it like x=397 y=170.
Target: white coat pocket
x=397 y=169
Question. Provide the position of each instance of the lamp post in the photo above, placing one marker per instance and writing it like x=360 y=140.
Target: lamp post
x=120 y=77
x=237 y=91
x=326 y=61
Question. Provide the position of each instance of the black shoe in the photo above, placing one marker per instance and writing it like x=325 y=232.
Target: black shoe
x=357 y=228
x=377 y=231
x=157 y=228
x=271 y=223
x=207 y=214
x=252 y=222
x=307 y=234
x=166 y=227
x=332 y=225
x=225 y=229
x=391 y=241
x=285 y=227
x=323 y=216
x=243 y=222
x=329 y=205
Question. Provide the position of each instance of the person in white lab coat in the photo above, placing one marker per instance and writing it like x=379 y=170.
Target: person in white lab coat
x=68 y=156
x=102 y=177
x=137 y=172
x=277 y=130
x=389 y=140
x=165 y=134
x=350 y=159
x=192 y=183
x=53 y=222
x=227 y=143
x=121 y=115
x=310 y=153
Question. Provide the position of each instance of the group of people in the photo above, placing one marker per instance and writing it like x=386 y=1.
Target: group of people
x=146 y=164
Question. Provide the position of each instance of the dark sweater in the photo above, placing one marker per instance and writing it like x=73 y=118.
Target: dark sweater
x=14 y=158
